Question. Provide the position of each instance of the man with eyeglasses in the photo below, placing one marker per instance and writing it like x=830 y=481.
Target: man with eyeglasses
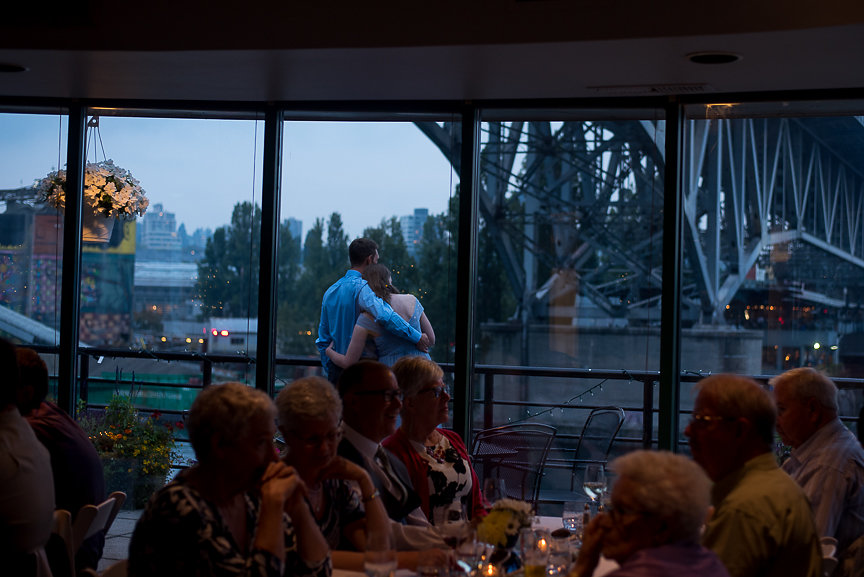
x=762 y=524
x=346 y=299
x=372 y=402
x=827 y=460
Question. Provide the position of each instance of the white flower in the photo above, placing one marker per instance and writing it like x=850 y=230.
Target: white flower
x=108 y=189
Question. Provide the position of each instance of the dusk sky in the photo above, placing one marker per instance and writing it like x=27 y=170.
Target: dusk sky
x=199 y=169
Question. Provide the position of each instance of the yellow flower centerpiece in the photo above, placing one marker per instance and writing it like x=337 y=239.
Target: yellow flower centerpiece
x=502 y=525
x=501 y=528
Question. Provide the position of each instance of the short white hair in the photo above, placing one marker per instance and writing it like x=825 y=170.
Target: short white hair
x=307 y=399
x=805 y=382
x=668 y=486
x=227 y=411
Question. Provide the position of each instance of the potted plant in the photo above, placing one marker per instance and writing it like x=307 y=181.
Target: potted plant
x=136 y=452
x=110 y=192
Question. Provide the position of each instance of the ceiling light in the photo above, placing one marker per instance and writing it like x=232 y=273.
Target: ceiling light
x=713 y=57
x=9 y=67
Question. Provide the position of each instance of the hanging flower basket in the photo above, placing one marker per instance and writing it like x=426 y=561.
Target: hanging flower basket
x=95 y=228
x=109 y=192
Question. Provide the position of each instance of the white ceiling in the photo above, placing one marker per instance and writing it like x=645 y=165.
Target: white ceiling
x=153 y=59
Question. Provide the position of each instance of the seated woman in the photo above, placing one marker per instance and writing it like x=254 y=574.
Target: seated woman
x=388 y=347
x=225 y=516
x=658 y=506
x=310 y=419
x=436 y=458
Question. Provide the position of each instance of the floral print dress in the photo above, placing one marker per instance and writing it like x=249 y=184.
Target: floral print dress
x=449 y=476
x=183 y=534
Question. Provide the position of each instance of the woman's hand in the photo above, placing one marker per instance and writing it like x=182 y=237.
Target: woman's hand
x=592 y=546
x=282 y=484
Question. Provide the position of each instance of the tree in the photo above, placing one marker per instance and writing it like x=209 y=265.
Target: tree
x=228 y=274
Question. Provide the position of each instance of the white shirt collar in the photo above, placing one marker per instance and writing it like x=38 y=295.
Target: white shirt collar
x=365 y=445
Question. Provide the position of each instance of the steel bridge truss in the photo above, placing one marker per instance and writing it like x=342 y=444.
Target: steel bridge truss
x=575 y=208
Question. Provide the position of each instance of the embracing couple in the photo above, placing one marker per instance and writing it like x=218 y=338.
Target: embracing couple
x=364 y=316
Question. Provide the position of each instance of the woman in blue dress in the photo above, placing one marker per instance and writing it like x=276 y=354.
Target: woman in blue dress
x=390 y=348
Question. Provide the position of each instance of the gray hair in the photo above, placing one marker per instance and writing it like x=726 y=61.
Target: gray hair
x=226 y=411
x=307 y=399
x=736 y=396
x=806 y=382
x=415 y=372
x=669 y=486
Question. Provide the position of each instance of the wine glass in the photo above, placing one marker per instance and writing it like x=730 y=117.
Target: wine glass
x=452 y=524
x=379 y=560
x=494 y=490
x=594 y=483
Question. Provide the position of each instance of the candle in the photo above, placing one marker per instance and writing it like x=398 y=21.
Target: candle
x=490 y=570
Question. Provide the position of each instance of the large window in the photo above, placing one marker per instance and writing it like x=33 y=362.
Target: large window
x=183 y=277
x=393 y=182
x=31 y=147
x=774 y=261
x=569 y=270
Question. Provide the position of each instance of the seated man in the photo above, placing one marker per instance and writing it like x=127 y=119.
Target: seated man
x=26 y=483
x=657 y=508
x=762 y=524
x=73 y=457
x=372 y=401
x=827 y=460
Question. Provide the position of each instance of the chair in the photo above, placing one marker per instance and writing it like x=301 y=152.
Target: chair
x=598 y=434
x=90 y=520
x=515 y=453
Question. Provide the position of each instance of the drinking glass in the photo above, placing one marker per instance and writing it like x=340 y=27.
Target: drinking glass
x=535 y=545
x=572 y=517
x=594 y=483
x=452 y=524
x=493 y=490
x=379 y=560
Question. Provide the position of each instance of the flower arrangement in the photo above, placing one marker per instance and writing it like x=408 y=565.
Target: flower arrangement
x=121 y=434
x=108 y=190
x=502 y=525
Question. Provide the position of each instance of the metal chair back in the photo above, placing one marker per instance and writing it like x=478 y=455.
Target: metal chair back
x=516 y=454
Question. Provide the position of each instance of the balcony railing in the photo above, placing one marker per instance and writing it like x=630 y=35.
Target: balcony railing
x=490 y=403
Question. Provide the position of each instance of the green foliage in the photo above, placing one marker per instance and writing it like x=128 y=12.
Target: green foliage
x=119 y=433
x=228 y=274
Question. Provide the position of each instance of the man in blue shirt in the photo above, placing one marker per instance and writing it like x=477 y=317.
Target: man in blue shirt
x=347 y=298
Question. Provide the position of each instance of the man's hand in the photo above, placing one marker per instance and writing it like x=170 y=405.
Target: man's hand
x=423 y=343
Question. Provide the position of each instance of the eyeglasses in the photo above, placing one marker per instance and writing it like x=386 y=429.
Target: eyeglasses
x=388 y=394
x=700 y=419
x=333 y=437
x=437 y=391
x=617 y=513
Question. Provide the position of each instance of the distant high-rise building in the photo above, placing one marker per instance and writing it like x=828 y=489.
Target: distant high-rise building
x=159 y=229
x=412 y=229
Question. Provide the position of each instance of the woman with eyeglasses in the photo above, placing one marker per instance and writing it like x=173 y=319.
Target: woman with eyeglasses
x=388 y=348
x=436 y=458
x=340 y=494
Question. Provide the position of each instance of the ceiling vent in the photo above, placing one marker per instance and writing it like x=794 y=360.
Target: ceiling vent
x=651 y=89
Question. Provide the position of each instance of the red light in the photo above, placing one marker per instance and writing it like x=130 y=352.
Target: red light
x=224 y=333
x=215 y=333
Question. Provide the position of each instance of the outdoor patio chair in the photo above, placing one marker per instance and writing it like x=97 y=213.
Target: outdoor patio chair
x=516 y=454
x=595 y=441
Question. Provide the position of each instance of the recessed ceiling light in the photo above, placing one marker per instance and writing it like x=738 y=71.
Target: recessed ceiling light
x=713 y=57
x=9 y=67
